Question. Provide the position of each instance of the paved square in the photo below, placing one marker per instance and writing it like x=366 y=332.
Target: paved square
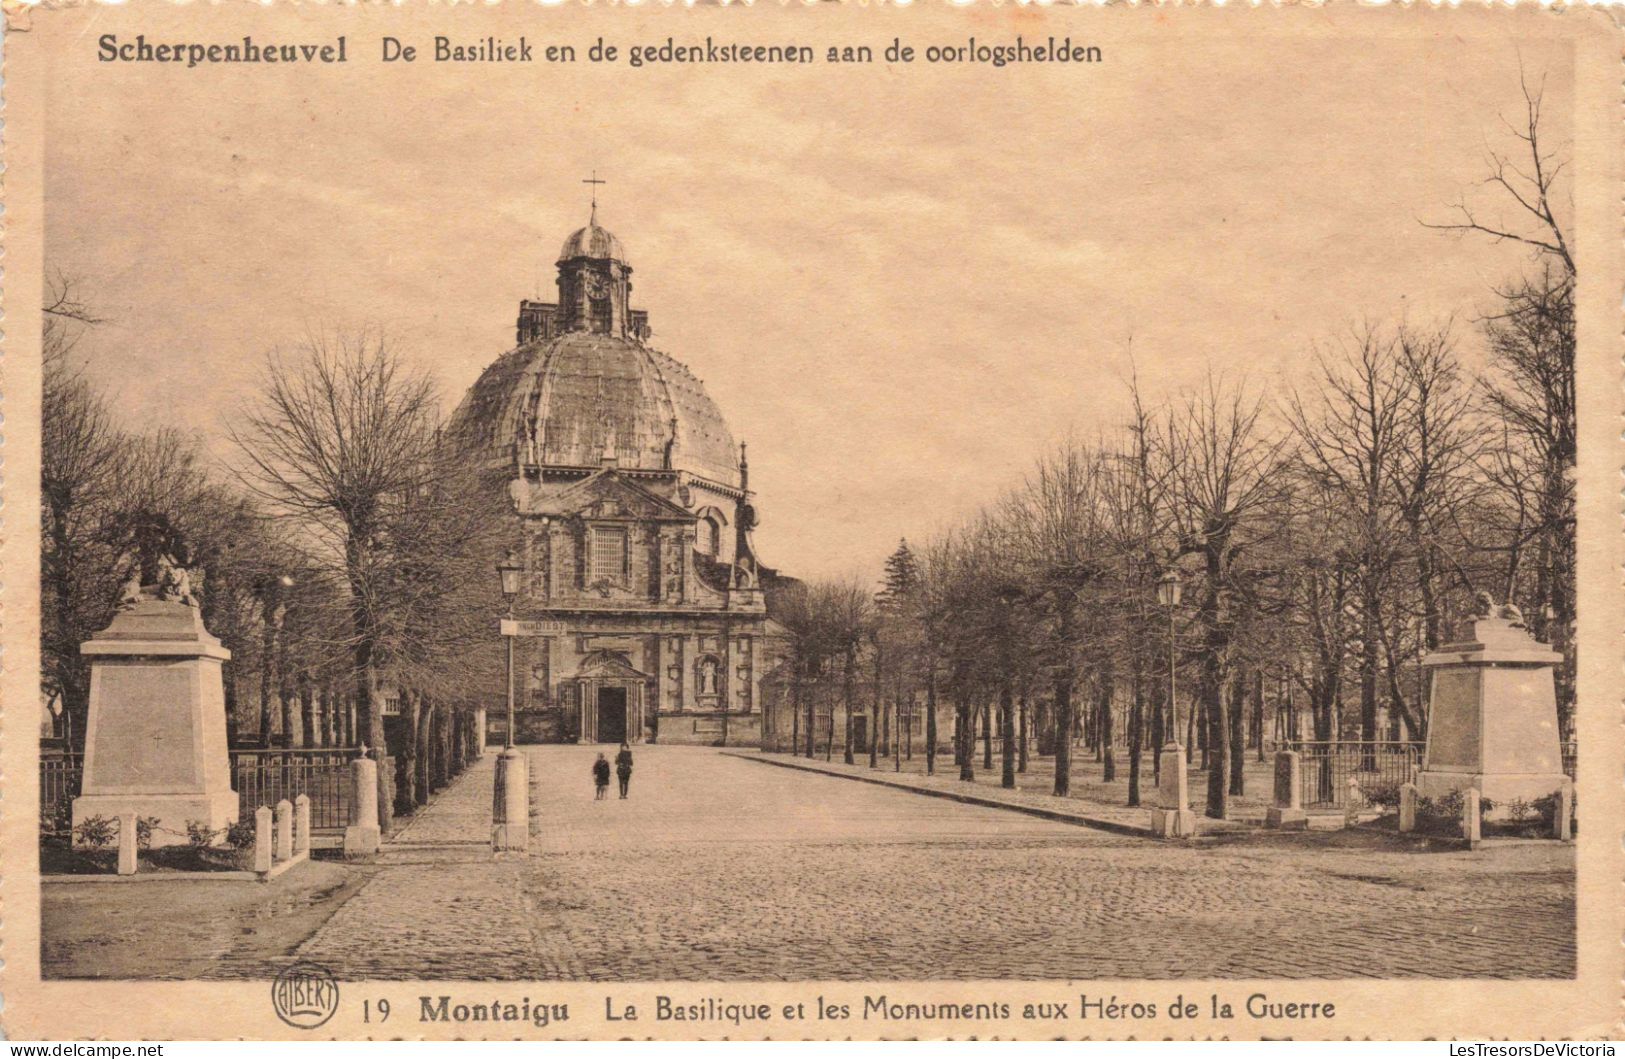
x=722 y=868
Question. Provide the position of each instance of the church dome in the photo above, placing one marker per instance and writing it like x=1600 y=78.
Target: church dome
x=573 y=400
x=594 y=242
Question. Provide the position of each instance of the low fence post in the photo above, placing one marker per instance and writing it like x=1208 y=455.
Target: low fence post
x=1287 y=812
x=1407 y=807
x=128 y=844
x=262 y=839
x=284 y=830
x=1471 y=828
x=1563 y=813
x=362 y=836
x=301 y=825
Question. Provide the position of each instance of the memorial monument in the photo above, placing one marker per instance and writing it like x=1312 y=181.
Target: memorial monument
x=1492 y=713
x=155 y=741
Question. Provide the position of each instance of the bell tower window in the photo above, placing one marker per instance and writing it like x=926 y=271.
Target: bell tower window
x=600 y=314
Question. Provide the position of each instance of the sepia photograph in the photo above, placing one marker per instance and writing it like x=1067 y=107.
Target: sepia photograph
x=665 y=503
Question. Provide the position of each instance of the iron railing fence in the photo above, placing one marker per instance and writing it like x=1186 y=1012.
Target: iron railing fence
x=59 y=776
x=265 y=777
x=1326 y=767
x=260 y=777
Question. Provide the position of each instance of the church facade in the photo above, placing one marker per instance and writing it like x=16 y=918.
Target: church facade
x=644 y=611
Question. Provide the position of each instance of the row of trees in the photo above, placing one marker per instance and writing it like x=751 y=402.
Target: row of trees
x=346 y=549
x=1327 y=537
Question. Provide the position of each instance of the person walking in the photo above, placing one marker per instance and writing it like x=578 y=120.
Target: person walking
x=623 y=768
x=600 y=778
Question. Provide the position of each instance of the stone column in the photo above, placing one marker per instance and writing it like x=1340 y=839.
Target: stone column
x=1407 y=807
x=1471 y=827
x=301 y=825
x=262 y=839
x=1174 y=818
x=1287 y=812
x=284 y=830
x=129 y=844
x=479 y=730
x=510 y=808
x=362 y=837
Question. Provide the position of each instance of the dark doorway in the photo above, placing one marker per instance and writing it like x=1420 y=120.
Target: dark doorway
x=611 y=715
x=860 y=734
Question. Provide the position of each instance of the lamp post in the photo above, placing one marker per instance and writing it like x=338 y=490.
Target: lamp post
x=1173 y=818
x=510 y=807
x=1170 y=590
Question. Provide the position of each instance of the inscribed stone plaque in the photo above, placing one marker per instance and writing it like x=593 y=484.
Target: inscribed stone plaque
x=1453 y=722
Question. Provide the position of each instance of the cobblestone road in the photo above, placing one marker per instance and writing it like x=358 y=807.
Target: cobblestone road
x=719 y=868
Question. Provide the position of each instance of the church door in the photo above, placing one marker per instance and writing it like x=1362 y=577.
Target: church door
x=611 y=715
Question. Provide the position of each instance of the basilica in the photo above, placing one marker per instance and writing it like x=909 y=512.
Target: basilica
x=644 y=610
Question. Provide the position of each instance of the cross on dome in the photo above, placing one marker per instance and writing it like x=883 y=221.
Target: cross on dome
x=594 y=181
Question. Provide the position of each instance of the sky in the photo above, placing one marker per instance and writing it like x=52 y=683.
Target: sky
x=899 y=284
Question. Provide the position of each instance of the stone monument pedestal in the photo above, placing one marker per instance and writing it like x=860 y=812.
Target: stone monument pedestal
x=155 y=742
x=1492 y=716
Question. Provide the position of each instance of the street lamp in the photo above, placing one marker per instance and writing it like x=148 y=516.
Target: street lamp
x=510 y=808
x=1173 y=818
x=508 y=570
x=1170 y=590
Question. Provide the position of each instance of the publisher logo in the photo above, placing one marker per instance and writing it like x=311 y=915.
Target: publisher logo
x=305 y=995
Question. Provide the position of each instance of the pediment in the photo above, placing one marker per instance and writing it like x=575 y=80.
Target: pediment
x=608 y=495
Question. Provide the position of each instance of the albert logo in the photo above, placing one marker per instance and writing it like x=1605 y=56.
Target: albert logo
x=305 y=995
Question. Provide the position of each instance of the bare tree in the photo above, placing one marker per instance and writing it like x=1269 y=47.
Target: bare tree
x=1227 y=472
x=342 y=437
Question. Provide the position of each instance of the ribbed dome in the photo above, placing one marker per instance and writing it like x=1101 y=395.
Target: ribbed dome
x=592 y=241
x=582 y=396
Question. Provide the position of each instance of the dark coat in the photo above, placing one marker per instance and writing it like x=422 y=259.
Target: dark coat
x=600 y=772
x=623 y=763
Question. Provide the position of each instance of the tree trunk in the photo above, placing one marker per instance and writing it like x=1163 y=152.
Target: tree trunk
x=1136 y=720
x=795 y=713
x=1108 y=691
x=267 y=675
x=307 y=717
x=1007 y=734
x=966 y=737
x=1063 y=732
x=409 y=751
x=1258 y=712
x=1021 y=762
x=1369 y=617
x=1238 y=741
x=987 y=736
x=931 y=723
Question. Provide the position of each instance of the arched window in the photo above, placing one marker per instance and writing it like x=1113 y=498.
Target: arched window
x=705 y=537
x=601 y=315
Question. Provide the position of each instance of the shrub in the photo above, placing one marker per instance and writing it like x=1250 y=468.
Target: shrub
x=144 y=826
x=241 y=834
x=57 y=819
x=1545 y=808
x=97 y=832
x=1520 y=811
x=1382 y=795
x=198 y=835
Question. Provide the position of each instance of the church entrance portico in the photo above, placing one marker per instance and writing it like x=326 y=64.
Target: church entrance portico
x=611 y=693
x=611 y=715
